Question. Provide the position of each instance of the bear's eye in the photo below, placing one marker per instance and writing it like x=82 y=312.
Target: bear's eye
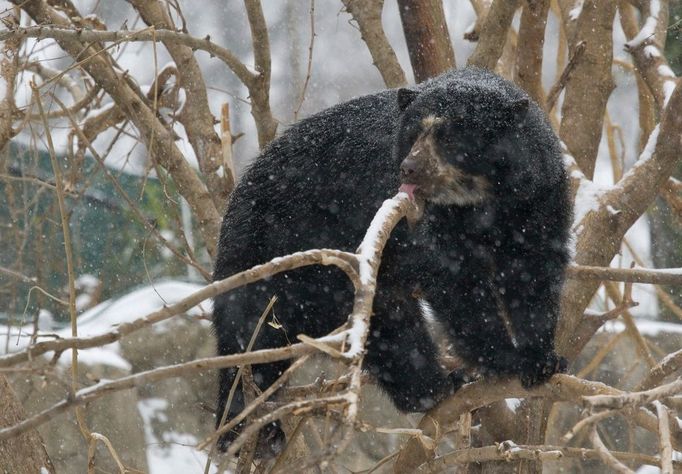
x=446 y=132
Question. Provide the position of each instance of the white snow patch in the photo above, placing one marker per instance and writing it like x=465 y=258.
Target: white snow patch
x=3 y=88
x=355 y=334
x=665 y=71
x=87 y=281
x=569 y=161
x=650 y=147
x=668 y=88
x=83 y=301
x=182 y=99
x=577 y=9
x=45 y=320
x=612 y=210
x=137 y=304
x=651 y=51
x=648 y=469
x=587 y=199
x=175 y=452
x=105 y=355
x=106 y=316
x=649 y=27
x=368 y=246
x=92 y=113
x=513 y=403
x=646 y=327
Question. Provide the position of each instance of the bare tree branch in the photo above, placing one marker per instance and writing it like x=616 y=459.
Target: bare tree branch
x=606 y=456
x=195 y=115
x=427 y=37
x=528 y=70
x=493 y=34
x=647 y=47
x=667 y=366
x=617 y=402
x=509 y=451
x=589 y=87
x=661 y=276
x=367 y=14
x=282 y=264
x=485 y=392
x=260 y=87
x=604 y=229
x=62 y=32
x=130 y=99
x=9 y=67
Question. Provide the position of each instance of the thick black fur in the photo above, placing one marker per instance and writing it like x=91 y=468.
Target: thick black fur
x=322 y=181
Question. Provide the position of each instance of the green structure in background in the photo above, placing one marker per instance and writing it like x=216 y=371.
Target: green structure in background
x=109 y=241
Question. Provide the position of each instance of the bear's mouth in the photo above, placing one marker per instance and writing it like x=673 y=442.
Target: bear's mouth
x=452 y=187
x=409 y=189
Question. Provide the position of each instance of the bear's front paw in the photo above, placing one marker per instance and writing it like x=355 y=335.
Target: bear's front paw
x=536 y=371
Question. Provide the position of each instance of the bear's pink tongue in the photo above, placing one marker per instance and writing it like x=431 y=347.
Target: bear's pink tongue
x=409 y=189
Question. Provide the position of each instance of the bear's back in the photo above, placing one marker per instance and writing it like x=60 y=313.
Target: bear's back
x=317 y=185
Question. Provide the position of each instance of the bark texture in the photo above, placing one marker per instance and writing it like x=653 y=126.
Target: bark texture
x=427 y=36
x=24 y=454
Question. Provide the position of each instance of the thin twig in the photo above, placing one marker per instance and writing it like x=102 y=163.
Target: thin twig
x=660 y=276
x=17 y=275
x=310 y=59
x=559 y=85
x=664 y=438
x=606 y=456
x=281 y=380
x=235 y=383
x=94 y=437
x=586 y=422
x=147 y=34
x=68 y=250
x=298 y=408
x=134 y=208
x=633 y=398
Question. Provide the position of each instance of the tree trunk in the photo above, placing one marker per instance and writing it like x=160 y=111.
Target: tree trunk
x=26 y=453
x=427 y=37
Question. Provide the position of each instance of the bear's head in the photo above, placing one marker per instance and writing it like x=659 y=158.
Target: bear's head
x=446 y=142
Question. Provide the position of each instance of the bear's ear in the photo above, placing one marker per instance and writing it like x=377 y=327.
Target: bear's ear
x=405 y=97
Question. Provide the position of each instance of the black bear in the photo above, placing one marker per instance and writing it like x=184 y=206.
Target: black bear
x=488 y=255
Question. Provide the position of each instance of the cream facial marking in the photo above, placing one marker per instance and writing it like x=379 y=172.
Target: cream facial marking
x=431 y=121
x=439 y=181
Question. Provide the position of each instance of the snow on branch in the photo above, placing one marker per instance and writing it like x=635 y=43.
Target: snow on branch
x=646 y=50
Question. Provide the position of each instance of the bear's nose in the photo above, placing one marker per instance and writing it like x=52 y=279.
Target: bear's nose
x=408 y=166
